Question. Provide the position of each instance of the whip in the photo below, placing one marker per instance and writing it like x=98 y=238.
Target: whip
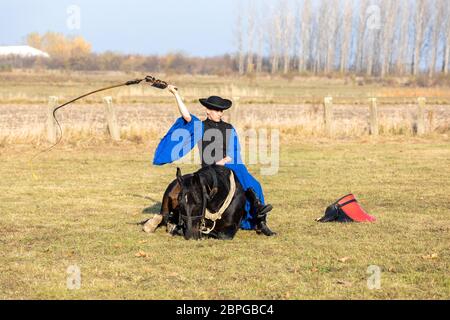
x=154 y=82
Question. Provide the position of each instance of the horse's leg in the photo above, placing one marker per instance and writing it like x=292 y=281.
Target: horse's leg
x=174 y=227
x=152 y=224
x=167 y=206
x=173 y=216
x=227 y=233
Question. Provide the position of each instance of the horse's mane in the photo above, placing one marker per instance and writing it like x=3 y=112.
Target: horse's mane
x=215 y=177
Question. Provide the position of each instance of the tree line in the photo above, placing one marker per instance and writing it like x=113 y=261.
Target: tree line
x=323 y=37
x=74 y=53
x=369 y=37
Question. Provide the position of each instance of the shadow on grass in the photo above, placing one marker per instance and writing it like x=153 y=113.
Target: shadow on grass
x=153 y=209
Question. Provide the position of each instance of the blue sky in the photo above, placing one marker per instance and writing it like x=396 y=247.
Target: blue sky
x=197 y=27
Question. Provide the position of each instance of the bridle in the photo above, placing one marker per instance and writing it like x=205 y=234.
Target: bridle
x=206 y=215
x=215 y=216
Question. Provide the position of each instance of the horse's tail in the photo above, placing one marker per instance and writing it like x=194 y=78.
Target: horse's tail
x=139 y=223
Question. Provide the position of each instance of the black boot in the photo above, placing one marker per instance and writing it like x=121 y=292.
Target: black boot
x=261 y=213
x=261 y=209
x=262 y=227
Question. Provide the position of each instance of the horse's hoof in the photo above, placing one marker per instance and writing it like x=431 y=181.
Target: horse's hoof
x=151 y=225
x=171 y=228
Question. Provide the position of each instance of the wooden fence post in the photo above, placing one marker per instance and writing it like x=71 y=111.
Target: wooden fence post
x=328 y=115
x=51 y=123
x=111 y=119
x=421 y=116
x=373 y=124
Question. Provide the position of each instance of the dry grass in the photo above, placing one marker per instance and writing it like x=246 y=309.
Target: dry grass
x=77 y=206
x=21 y=124
x=292 y=105
x=34 y=87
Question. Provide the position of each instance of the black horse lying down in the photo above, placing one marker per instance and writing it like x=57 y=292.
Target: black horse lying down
x=207 y=203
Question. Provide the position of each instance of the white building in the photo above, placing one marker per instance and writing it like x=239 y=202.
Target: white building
x=22 y=51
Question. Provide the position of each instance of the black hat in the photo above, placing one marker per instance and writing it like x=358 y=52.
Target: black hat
x=216 y=103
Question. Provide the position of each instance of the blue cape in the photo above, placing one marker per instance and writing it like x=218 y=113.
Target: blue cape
x=183 y=136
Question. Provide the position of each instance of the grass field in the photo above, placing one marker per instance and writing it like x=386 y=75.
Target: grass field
x=34 y=87
x=77 y=206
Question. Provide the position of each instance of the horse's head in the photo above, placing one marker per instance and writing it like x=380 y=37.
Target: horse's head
x=207 y=196
x=192 y=204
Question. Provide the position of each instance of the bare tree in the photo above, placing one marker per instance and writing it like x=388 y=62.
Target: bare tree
x=419 y=33
x=239 y=30
x=446 y=38
x=371 y=37
x=304 y=36
x=260 y=48
x=347 y=22
x=250 y=35
x=287 y=40
x=390 y=9
x=314 y=43
x=259 y=37
x=438 y=21
x=322 y=35
x=330 y=37
x=361 y=30
x=403 y=39
x=275 y=35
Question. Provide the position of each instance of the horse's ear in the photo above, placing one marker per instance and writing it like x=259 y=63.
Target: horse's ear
x=203 y=186
x=179 y=176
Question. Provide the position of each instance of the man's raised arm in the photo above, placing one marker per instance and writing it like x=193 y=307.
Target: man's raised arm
x=181 y=106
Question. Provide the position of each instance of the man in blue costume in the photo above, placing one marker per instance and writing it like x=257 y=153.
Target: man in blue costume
x=218 y=144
